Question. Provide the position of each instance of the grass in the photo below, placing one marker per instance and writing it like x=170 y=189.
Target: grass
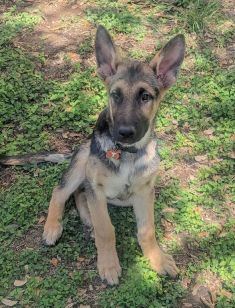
x=196 y=119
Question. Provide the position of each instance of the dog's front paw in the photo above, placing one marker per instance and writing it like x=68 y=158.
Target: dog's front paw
x=165 y=264
x=109 y=268
x=52 y=232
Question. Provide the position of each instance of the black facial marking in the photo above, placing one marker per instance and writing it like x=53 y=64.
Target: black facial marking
x=135 y=72
x=102 y=124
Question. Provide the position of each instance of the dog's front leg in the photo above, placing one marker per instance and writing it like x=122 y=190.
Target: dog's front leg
x=107 y=258
x=72 y=178
x=144 y=211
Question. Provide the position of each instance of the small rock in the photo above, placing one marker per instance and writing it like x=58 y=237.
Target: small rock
x=91 y=287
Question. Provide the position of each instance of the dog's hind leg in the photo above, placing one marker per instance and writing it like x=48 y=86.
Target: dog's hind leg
x=71 y=180
x=82 y=207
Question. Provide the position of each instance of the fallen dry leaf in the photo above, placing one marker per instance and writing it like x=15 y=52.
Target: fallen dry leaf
x=209 y=131
x=8 y=302
x=81 y=259
x=54 y=261
x=81 y=291
x=70 y=305
x=203 y=234
x=231 y=155
x=65 y=135
x=185 y=282
x=169 y=210
x=20 y=283
x=186 y=126
x=226 y=293
x=201 y=158
x=74 y=57
x=41 y=219
x=216 y=177
x=26 y=268
x=103 y=286
x=187 y=305
x=167 y=225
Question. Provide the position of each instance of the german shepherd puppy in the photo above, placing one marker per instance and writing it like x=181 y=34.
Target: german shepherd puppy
x=120 y=162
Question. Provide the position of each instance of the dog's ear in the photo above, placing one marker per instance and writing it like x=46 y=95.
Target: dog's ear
x=167 y=62
x=105 y=53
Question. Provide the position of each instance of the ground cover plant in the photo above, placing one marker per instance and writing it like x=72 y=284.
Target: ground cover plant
x=50 y=97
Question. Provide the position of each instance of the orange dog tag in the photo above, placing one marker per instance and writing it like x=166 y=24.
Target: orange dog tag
x=113 y=153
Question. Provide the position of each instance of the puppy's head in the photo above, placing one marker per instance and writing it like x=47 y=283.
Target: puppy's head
x=135 y=88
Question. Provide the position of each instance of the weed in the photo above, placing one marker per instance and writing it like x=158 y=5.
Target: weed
x=117 y=19
x=199 y=13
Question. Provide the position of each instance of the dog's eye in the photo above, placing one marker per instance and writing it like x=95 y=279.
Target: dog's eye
x=116 y=97
x=146 y=97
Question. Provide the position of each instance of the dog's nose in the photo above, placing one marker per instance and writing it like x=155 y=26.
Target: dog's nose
x=126 y=131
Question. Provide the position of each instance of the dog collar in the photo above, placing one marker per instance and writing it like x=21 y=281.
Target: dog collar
x=115 y=153
x=131 y=149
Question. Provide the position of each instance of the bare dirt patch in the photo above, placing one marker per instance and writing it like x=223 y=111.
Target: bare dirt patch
x=58 y=36
x=30 y=240
x=65 y=141
x=203 y=292
x=7 y=177
x=184 y=172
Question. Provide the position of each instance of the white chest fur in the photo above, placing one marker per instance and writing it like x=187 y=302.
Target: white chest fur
x=121 y=184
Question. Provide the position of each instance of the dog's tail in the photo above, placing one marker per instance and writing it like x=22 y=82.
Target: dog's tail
x=34 y=158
